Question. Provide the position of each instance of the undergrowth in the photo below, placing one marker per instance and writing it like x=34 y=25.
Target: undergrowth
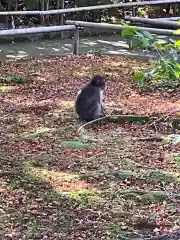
x=163 y=72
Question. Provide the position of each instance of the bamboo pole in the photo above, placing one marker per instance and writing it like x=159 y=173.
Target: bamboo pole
x=168 y=19
x=118 y=27
x=173 y=25
x=80 y=9
x=23 y=31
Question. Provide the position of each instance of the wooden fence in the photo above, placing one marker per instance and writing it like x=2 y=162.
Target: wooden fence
x=90 y=8
x=77 y=25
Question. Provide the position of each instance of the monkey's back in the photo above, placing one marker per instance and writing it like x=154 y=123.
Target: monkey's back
x=88 y=105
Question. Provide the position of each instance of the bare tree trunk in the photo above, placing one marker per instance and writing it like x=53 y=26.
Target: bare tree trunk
x=58 y=7
x=3 y=19
x=42 y=9
x=47 y=16
x=9 y=8
x=12 y=5
x=62 y=17
x=15 y=8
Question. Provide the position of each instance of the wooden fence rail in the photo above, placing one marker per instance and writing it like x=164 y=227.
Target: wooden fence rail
x=90 y=8
x=114 y=27
x=165 y=23
x=117 y=27
x=76 y=26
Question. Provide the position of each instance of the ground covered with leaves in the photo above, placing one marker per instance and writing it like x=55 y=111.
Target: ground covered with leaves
x=105 y=183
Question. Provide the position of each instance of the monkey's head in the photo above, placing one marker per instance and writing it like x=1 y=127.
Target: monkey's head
x=98 y=81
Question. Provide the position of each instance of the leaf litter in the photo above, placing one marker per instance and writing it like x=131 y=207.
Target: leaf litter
x=52 y=187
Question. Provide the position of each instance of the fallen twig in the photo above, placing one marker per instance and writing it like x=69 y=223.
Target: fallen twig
x=128 y=118
x=169 y=195
x=155 y=138
x=118 y=118
x=93 y=121
x=165 y=117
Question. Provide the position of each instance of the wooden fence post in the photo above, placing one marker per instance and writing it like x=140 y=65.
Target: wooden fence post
x=76 y=42
x=130 y=43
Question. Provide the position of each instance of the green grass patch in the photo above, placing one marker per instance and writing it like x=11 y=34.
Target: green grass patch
x=154 y=197
x=177 y=161
x=27 y=182
x=161 y=176
x=124 y=175
x=75 y=144
x=15 y=79
x=87 y=197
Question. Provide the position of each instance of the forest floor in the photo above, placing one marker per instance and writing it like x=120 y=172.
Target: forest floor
x=56 y=186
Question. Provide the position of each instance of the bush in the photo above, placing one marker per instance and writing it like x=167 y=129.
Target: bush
x=163 y=72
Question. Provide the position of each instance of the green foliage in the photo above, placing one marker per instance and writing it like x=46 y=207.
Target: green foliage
x=140 y=77
x=75 y=144
x=15 y=79
x=177 y=32
x=177 y=161
x=26 y=181
x=30 y=4
x=158 y=176
x=125 y=175
x=141 y=12
x=162 y=71
x=86 y=197
x=144 y=38
x=95 y=51
x=154 y=197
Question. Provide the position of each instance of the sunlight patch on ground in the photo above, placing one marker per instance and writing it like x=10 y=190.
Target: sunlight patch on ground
x=40 y=48
x=68 y=45
x=4 y=89
x=19 y=54
x=82 y=72
x=65 y=103
x=116 y=44
x=88 y=42
x=56 y=49
x=23 y=118
x=59 y=180
x=139 y=68
x=21 y=101
x=112 y=104
x=37 y=132
x=116 y=64
x=16 y=57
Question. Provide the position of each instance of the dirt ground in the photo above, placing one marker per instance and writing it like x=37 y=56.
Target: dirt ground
x=54 y=185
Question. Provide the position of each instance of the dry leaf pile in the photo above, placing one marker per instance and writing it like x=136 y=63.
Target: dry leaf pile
x=54 y=188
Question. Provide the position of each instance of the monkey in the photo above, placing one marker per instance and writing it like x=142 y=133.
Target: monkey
x=89 y=100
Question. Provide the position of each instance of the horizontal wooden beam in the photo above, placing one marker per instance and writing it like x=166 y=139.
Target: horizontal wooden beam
x=90 y=8
x=116 y=27
x=23 y=31
x=170 y=24
x=168 y=19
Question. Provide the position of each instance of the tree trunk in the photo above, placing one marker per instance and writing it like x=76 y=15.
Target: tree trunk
x=47 y=16
x=62 y=17
x=58 y=7
x=42 y=9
